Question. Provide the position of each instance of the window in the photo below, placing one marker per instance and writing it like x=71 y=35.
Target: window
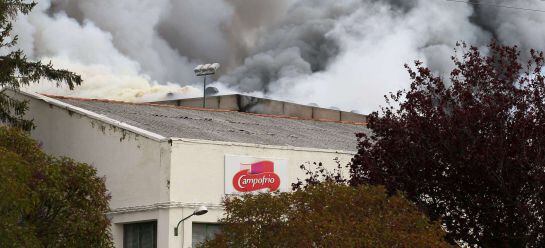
x=203 y=232
x=140 y=235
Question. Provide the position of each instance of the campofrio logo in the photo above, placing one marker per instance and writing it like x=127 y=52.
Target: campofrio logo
x=256 y=176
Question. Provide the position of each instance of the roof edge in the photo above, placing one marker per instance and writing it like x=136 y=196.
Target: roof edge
x=93 y=115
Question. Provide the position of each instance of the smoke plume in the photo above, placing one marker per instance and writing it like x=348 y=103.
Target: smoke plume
x=345 y=53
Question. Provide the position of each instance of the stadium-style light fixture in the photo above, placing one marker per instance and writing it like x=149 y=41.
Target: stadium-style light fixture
x=205 y=70
x=198 y=211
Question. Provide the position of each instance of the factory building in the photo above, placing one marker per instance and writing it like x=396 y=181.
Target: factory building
x=163 y=160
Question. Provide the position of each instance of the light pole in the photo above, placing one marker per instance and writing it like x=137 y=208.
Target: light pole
x=199 y=211
x=205 y=70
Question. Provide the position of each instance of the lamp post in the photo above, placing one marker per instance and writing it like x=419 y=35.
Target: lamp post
x=199 y=211
x=205 y=70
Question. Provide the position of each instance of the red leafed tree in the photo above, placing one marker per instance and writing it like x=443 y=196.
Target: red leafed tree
x=469 y=150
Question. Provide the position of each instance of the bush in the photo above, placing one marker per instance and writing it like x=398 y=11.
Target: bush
x=326 y=215
x=48 y=201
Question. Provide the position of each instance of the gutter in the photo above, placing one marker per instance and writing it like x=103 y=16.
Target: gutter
x=276 y=147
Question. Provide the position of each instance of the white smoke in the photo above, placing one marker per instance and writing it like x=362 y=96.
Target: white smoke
x=83 y=47
x=344 y=53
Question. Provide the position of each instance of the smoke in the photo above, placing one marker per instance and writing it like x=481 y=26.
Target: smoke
x=345 y=53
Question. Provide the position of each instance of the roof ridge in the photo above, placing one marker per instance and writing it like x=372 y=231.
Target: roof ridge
x=200 y=109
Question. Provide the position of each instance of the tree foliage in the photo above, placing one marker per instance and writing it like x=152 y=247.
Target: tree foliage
x=469 y=150
x=317 y=173
x=47 y=201
x=16 y=70
x=326 y=215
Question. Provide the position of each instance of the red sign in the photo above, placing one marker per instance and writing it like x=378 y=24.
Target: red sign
x=260 y=175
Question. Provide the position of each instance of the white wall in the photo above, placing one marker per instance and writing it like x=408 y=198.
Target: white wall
x=197 y=172
x=136 y=167
x=131 y=163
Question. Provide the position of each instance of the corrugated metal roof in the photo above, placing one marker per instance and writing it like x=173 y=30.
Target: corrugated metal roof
x=227 y=126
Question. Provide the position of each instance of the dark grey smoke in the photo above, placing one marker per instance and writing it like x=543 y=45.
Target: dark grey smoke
x=346 y=53
x=511 y=26
x=298 y=44
x=211 y=91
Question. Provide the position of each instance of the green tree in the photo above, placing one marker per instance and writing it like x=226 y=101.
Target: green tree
x=16 y=70
x=326 y=215
x=47 y=201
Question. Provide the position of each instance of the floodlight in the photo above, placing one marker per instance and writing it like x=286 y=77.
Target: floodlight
x=205 y=70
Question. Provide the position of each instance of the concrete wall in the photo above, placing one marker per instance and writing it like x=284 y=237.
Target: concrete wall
x=198 y=174
x=267 y=106
x=229 y=102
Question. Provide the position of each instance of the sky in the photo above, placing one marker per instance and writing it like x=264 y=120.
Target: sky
x=344 y=53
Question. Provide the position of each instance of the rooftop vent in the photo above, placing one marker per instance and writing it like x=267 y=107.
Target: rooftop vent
x=210 y=91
